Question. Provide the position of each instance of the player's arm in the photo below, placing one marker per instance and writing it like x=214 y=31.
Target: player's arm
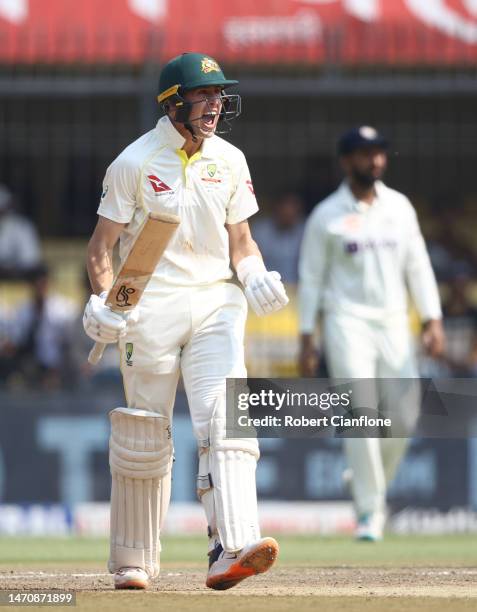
x=99 y=322
x=100 y=254
x=423 y=288
x=241 y=243
x=311 y=267
x=264 y=290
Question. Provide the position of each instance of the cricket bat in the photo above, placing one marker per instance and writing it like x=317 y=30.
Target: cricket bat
x=144 y=255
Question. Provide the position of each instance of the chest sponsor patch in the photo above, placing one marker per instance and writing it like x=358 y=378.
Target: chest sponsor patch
x=158 y=185
x=352 y=247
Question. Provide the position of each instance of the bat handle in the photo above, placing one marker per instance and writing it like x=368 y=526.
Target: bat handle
x=96 y=353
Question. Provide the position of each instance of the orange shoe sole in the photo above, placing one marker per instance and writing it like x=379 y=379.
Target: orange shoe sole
x=132 y=584
x=257 y=561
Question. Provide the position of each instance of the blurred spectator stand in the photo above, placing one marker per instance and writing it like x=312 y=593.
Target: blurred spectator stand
x=19 y=243
x=279 y=236
x=36 y=337
x=460 y=322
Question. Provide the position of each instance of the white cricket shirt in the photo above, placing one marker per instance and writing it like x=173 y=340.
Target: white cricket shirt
x=207 y=191
x=359 y=259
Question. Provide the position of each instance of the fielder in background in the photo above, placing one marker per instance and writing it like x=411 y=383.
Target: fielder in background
x=362 y=249
x=190 y=319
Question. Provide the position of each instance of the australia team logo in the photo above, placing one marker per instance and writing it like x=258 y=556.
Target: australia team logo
x=211 y=174
x=209 y=65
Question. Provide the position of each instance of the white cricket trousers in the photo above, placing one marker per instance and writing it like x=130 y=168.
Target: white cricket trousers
x=198 y=331
x=359 y=348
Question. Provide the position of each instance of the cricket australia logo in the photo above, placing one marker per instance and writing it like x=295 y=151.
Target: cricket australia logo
x=209 y=65
x=211 y=174
x=122 y=296
x=129 y=352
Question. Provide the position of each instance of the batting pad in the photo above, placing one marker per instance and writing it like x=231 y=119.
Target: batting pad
x=232 y=466
x=140 y=458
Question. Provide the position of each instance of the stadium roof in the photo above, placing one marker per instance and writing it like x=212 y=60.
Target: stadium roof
x=354 y=32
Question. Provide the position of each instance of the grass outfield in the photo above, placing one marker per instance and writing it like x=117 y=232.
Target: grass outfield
x=394 y=551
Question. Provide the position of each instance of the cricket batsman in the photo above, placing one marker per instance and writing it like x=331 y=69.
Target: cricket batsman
x=362 y=249
x=190 y=320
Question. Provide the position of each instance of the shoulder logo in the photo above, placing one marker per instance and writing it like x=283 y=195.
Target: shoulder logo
x=209 y=65
x=250 y=186
x=106 y=189
x=158 y=185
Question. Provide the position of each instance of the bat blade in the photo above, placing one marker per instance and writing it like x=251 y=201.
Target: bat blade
x=150 y=243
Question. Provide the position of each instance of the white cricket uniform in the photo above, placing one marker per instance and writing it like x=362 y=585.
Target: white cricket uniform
x=191 y=319
x=357 y=262
x=190 y=311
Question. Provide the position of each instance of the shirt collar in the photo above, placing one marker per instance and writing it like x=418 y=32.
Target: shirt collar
x=209 y=147
x=355 y=204
x=168 y=133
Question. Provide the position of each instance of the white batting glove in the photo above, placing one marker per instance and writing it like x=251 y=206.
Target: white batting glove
x=101 y=323
x=264 y=290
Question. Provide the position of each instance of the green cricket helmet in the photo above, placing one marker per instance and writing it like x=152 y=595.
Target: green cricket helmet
x=190 y=71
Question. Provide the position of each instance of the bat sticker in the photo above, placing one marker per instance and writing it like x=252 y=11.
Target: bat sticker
x=122 y=296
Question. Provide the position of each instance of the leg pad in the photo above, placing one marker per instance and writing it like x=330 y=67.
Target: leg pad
x=140 y=459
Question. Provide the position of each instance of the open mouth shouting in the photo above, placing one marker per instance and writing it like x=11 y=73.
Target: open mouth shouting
x=209 y=120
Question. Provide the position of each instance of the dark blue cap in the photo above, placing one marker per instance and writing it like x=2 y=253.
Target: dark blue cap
x=361 y=137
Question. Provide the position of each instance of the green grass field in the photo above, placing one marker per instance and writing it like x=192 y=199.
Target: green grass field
x=394 y=551
x=313 y=573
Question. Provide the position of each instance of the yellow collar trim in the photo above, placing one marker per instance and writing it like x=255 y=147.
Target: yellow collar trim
x=188 y=160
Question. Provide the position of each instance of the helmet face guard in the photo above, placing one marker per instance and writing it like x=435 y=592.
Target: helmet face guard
x=230 y=110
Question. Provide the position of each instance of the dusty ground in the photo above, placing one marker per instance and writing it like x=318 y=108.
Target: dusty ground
x=339 y=588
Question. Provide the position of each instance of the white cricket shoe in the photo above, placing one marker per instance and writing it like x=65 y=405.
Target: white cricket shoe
x=130 y=578
x=370 y=527
x=228 y=569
